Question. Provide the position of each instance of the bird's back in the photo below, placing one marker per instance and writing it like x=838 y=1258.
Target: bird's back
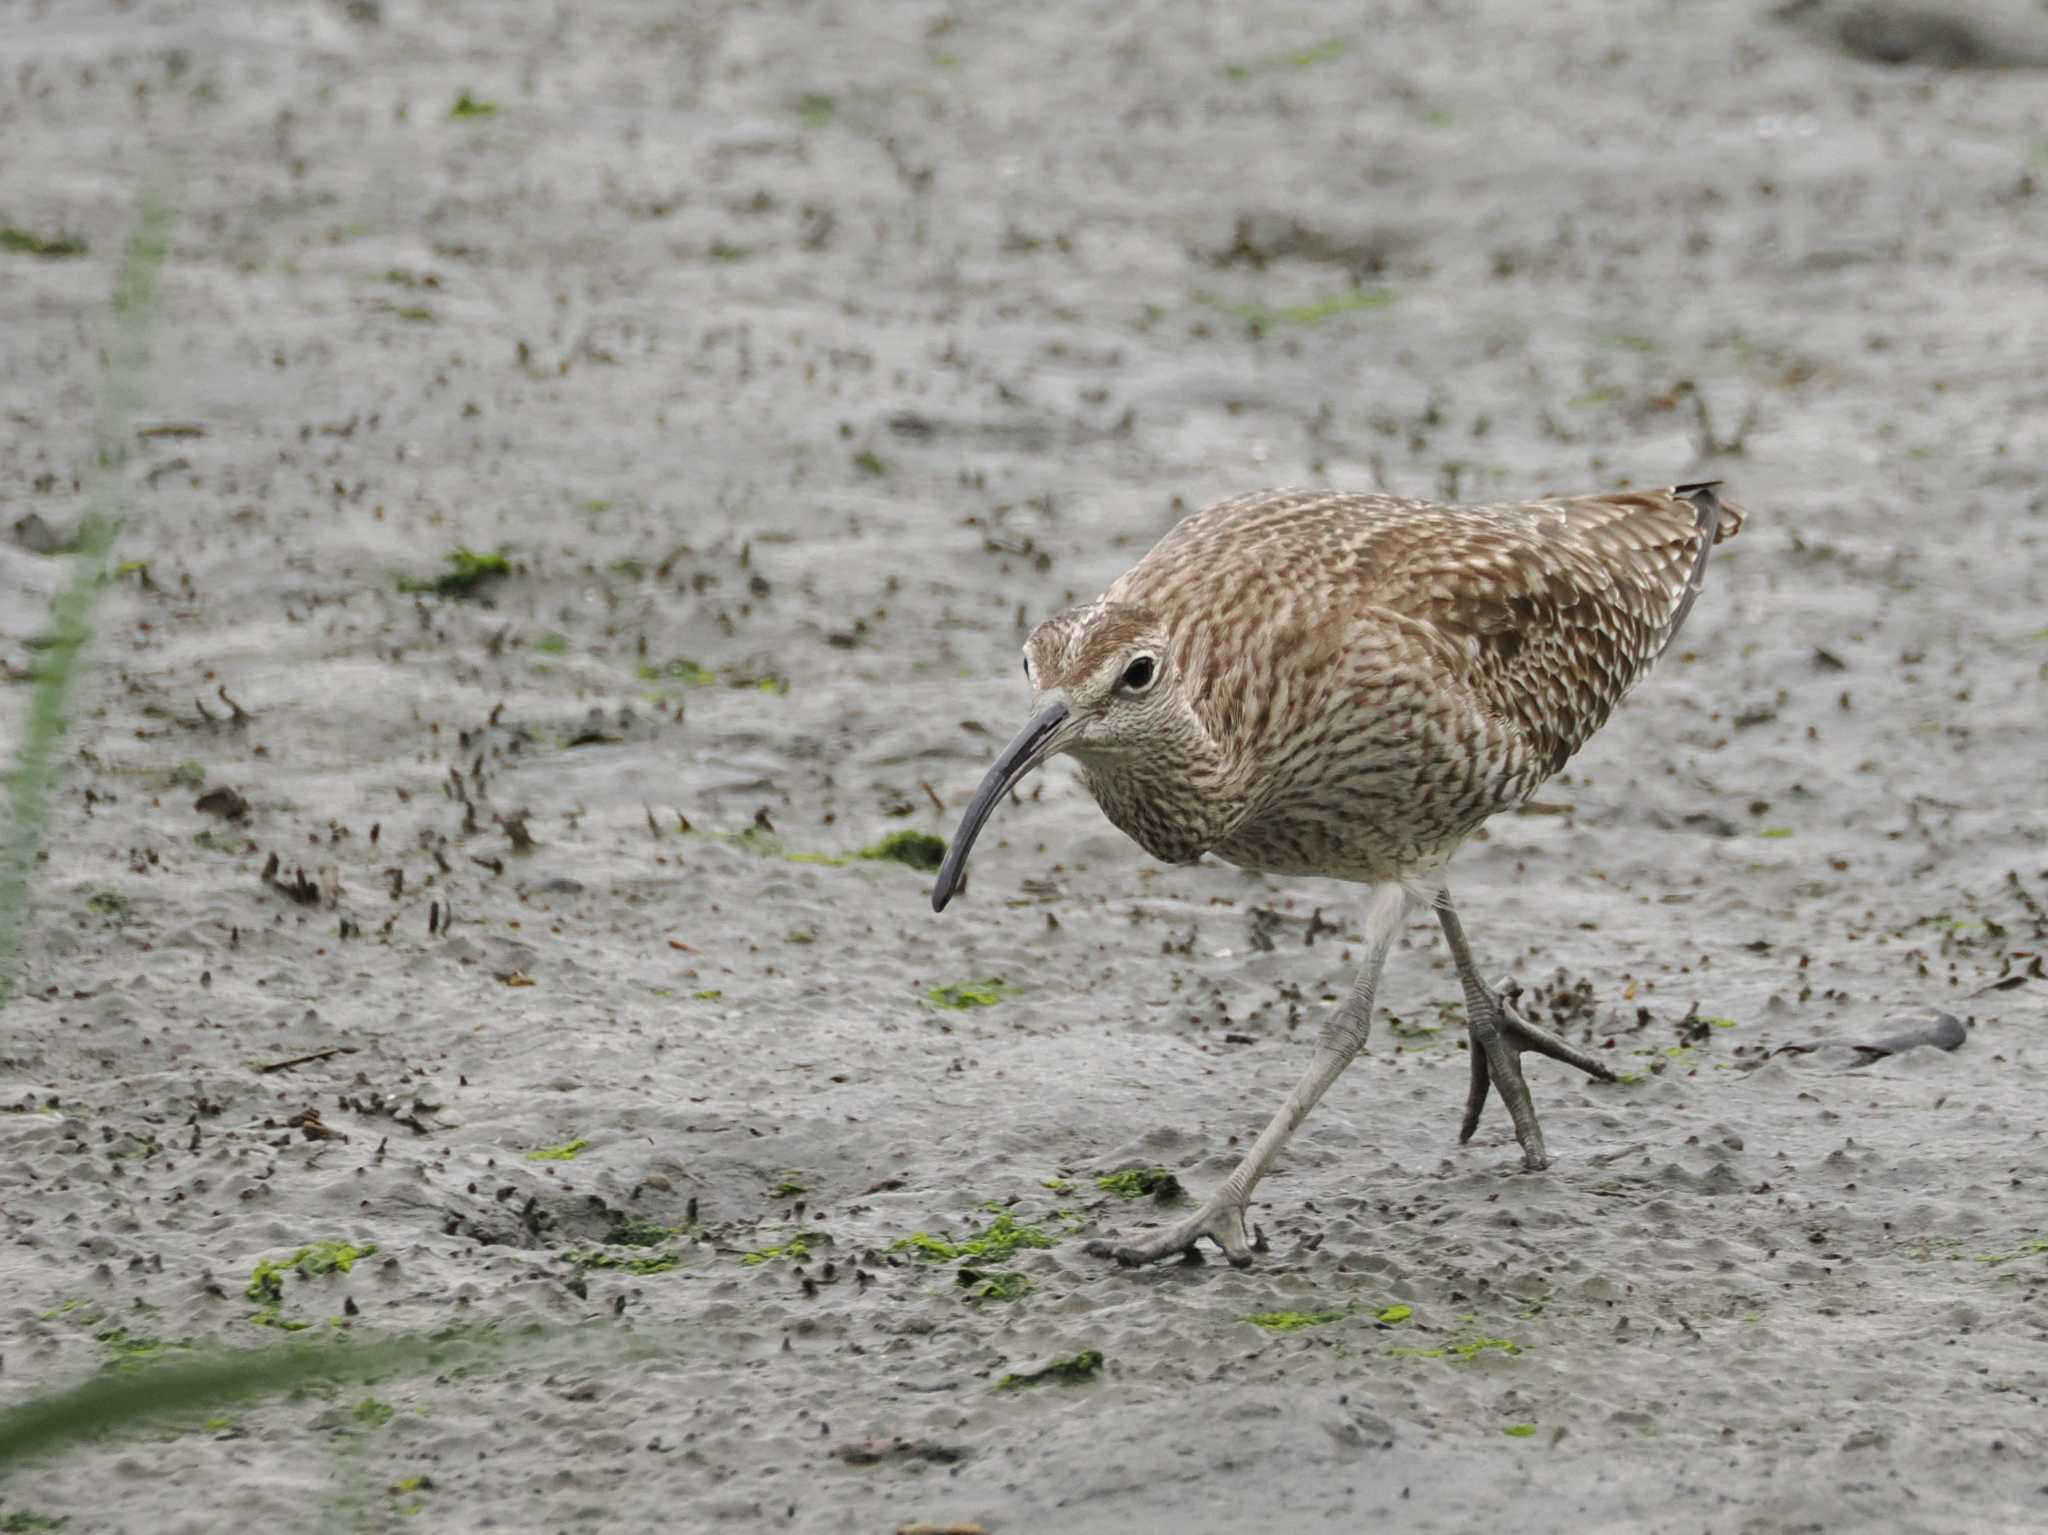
x=1331 y=633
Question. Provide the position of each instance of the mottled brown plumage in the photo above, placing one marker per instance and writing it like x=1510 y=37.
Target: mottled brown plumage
x=1365 y=679
x=1315 y=683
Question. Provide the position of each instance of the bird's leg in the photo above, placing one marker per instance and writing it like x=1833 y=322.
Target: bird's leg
x=1222 y=1218
x=1499 y=1036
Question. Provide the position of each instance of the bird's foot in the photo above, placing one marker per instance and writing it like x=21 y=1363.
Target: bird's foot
x=1221 y=1220
x=1497 y=1047
x=1529 y=1037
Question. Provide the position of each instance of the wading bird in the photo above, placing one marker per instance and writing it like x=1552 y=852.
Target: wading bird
x=1314 y=683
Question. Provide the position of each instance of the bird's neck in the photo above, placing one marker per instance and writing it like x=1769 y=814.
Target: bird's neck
x=1176 y=799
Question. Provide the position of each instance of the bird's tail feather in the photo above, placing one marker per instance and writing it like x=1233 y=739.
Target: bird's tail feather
x=1717 y=521
x=1725 y=520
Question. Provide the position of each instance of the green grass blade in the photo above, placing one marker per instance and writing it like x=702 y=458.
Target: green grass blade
x=28 y=784
x=124 y=1399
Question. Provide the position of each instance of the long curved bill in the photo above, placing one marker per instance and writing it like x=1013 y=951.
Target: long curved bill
x=1031 y=747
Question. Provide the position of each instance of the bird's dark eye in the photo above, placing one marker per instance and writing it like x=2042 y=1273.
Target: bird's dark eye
x=1139 y=674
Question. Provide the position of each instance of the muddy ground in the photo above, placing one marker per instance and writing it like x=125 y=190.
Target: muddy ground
x=798 y=358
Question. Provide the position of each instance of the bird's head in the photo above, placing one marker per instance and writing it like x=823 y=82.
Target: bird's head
x=1104 y=687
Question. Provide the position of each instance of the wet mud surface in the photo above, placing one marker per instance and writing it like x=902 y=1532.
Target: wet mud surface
x=512 y=921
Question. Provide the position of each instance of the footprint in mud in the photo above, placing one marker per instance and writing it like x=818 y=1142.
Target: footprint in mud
x=1929 y=36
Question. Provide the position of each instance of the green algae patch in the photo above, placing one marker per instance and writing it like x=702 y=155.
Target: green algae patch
x=372 y=1413
x=132 y=1350
x=1462 y=1351
x=791 y=1185
x=1294 y=1321
x=682 y=669
x=1472 y=1348
x=1267 y=316
x=630 y=1233
x=1292 y=59
x=110 y=903
x=1067 y=1371
x=768 y=844
x=27 y=242
x=568 y=1151
x=638 y=1238
x=992 y=1284
x=468 y=106
x=266 y=1283
x=901 y=848
x=1520 y=1431
x=467 y=575
x=2024 y=1250
x=797 y=1250
x=1142 y=1182
x=960 y=998
x=1001 y=1237
x=657 y=1263
x=915 y=849
x=1394 y=1314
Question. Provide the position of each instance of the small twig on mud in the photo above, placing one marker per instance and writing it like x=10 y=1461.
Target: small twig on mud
x=1605 y=1157
x=299 y=888
x=1705 y=443
x=301 y=1060
x=237 y=719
